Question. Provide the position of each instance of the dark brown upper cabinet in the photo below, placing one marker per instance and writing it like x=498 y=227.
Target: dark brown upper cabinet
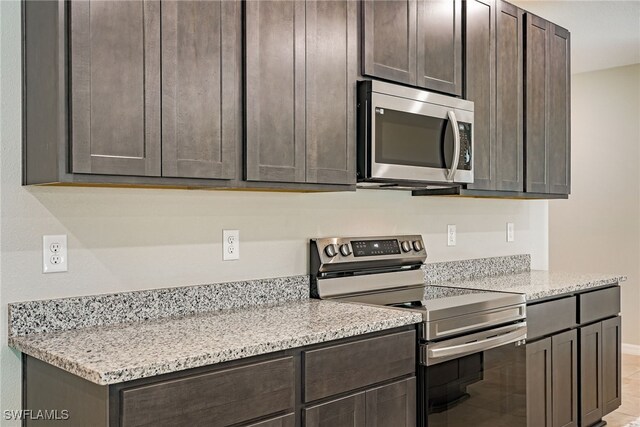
x=547 y=107
x=494 y=83
x=115 y=87
x=418 y=43
x=389 y=40
x=301 y=70
x=150 y=93
x=439 y=45
x=152 y=81
x=481 y=89
x=200 y=83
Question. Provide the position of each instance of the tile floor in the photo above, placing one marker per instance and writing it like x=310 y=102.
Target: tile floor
x=630 y=409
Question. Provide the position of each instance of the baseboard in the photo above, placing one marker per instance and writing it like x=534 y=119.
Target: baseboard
x=631 y=349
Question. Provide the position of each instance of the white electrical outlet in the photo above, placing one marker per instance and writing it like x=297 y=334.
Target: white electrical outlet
x=54 y=253
x=230 y=245
x=510 y=232
x=451 y=235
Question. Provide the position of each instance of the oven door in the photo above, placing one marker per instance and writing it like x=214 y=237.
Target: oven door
x=418 y=141
x=486 y=388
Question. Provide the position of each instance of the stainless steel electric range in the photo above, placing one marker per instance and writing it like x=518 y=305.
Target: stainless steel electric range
x=472 y=361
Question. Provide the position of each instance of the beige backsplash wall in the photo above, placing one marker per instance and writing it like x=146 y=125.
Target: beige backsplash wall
x=598 y=228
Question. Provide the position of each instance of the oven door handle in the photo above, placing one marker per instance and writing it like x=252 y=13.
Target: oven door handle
x=520 y=333
x=453 y=121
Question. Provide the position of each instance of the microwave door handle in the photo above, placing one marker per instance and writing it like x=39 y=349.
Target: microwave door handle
x=456 y=151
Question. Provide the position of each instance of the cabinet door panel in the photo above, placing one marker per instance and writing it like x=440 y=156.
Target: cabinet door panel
x=332 y=70
x=115 y=87
x=480 y=88
x=200 y=77
x=590 y=374
x=509 y=113
x=539 y=394
x=559 y=146
x=346 y=412
x=389 y=40
x=611 y=364
x=439 y=45
x=392 y=405
x=284 y=421
x=564 y=374
x=275 y=91
x=537 y=92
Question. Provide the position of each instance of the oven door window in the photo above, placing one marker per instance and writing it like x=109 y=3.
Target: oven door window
x=486 y=389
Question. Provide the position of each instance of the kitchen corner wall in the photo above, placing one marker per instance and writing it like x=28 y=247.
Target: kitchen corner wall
x=598 y=228
x=129 y=239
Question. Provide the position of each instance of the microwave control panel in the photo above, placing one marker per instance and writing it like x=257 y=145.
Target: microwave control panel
x=465 y=145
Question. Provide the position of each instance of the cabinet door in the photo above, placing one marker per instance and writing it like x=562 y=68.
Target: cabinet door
x=392 y=405
x=346 y=412
x=509 y=113
x=200 y=81
x=332 y=71
x=536 y=104
x=611 y=364
x=275 y=91
x=115 y=87
x=539 y=394
x=439 y=45
x=283 y=421
x=480 y=88
x=590 y=374
x=564 y=374
x=559 y=114
x=389 y=40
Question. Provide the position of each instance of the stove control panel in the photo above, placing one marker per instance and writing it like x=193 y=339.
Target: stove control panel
x=353 y=251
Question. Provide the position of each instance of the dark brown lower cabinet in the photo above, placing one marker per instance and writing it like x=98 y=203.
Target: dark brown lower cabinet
x=391 y=405
x=611 y=364
x=574 y=359
x=564 y=383
x=552 y=381
x=539 y=399
x=345 y=412
x=264 y=391
x=284 y=421
x=600 y=370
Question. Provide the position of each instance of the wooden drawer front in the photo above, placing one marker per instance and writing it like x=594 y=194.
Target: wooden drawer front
x=213 y=399
x=552 y=316
x=600 y=304
x=345 y=367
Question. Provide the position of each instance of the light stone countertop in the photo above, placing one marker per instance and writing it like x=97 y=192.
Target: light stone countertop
x=537 y=284
x=128 y=351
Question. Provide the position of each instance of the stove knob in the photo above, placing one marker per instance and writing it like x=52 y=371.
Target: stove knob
x=331 y=250
x=417 y=245
x=345 y=250
x=406 y=246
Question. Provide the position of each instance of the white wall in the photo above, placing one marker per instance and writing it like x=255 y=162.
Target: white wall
x=598 y=228
x=128 y=239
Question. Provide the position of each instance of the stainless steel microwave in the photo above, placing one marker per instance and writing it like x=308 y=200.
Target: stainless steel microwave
x=411 y=138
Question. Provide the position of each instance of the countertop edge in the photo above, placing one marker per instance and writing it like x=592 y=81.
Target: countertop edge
x=205 y=359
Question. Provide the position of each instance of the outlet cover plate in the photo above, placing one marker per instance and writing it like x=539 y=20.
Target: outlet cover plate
x=451 y=235
x=54 y=253
x=230 y=245
x=510 y=232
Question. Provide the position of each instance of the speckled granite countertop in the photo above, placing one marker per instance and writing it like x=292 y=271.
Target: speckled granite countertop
x=127 y=351
x=537 y=284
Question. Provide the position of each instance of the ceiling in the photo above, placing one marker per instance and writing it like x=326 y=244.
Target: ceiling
x=604 y=34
